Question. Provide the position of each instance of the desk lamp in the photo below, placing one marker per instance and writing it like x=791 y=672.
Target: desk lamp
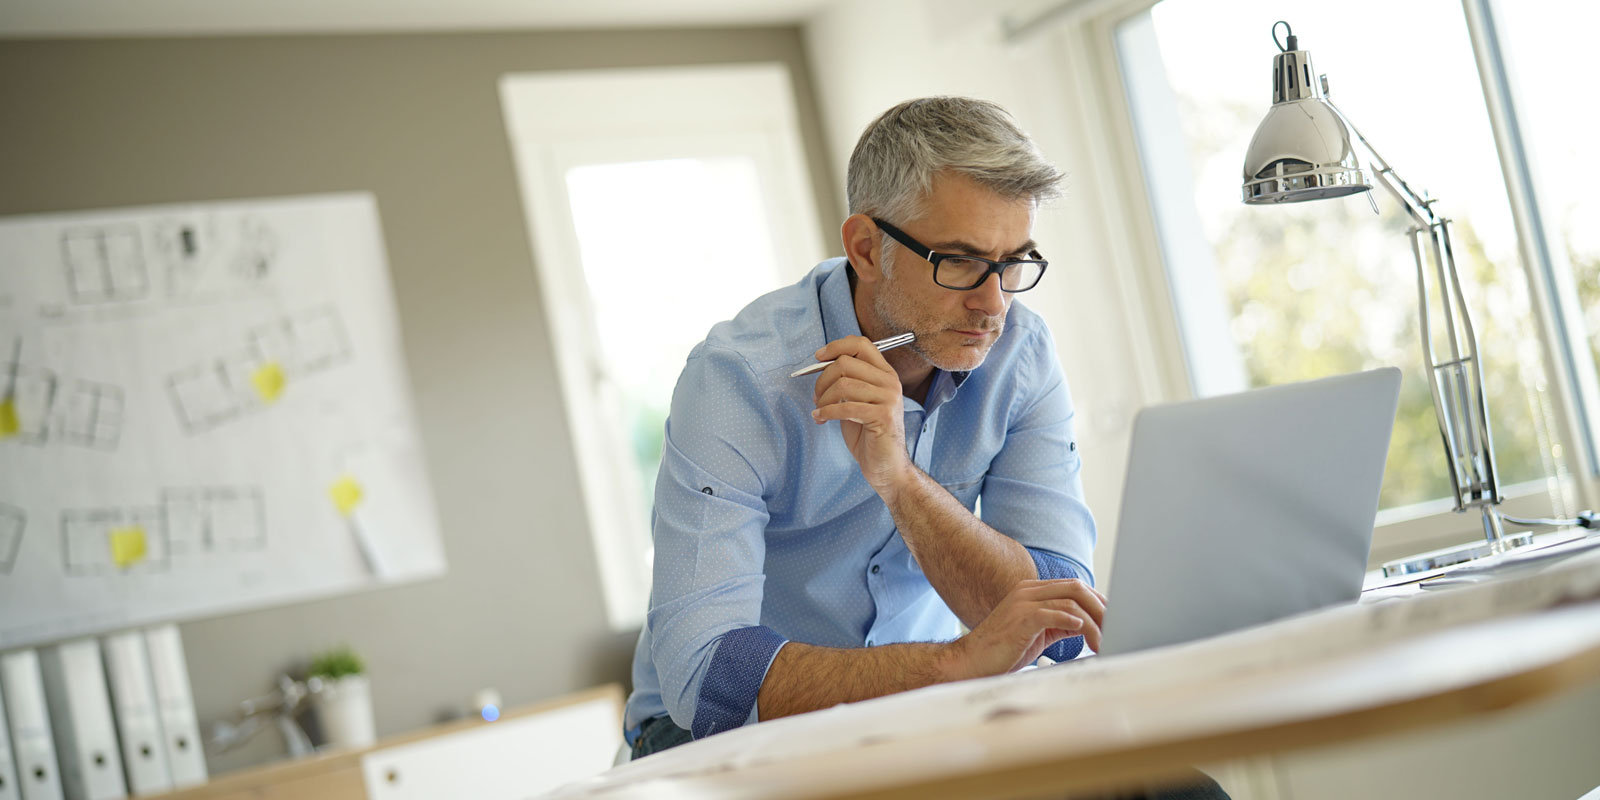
x=1302 y=151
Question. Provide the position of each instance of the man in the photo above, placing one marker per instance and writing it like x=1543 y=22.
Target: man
x=816 y=541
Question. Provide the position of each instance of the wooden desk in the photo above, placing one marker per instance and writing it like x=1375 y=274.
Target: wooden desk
x=1116 y=722
x=337 y=775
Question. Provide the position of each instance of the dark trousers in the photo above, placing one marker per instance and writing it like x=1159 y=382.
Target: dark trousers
x=657 y=734
x=661 y=733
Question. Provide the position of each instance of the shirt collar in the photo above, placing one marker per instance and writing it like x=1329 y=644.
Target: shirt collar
x=838 y=306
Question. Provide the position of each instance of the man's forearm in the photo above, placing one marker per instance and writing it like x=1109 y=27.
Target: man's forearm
x=969 y=564
x=806 y=677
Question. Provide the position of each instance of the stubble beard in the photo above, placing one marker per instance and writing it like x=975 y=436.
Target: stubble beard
x=899 y=314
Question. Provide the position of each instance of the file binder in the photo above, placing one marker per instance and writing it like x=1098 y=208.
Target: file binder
x=133 y=701
x=28 y=720
x=185 y=749
x=8 y=768
x=80 y=717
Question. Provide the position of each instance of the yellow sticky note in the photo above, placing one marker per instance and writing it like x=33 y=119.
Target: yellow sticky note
x=346 y=494
x=9 y=424
x=269 y=380
x=127 y=546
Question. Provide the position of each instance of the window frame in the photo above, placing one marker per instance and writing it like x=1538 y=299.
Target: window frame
x=1090 y=28
x=631 y=115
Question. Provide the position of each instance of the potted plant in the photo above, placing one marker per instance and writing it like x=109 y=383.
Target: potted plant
x=342 y=697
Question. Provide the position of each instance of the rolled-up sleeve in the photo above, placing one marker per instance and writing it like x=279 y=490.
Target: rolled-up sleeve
x=707 y=642
x=1034 y=490
x=1055 y=567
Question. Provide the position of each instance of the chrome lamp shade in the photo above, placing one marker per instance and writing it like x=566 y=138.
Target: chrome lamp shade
x=1301 y=150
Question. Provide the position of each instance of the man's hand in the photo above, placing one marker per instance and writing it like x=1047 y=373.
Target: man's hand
x=1033 y=616
x=862 y=392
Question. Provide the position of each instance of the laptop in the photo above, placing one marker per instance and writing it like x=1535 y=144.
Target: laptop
x=1246 y=508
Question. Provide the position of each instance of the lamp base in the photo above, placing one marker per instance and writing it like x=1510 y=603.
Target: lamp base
x=1456 y=554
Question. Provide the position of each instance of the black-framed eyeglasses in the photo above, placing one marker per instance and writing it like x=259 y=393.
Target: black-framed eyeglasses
x=962 y=272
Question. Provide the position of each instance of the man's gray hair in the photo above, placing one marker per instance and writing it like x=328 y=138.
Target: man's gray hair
x=891 y=171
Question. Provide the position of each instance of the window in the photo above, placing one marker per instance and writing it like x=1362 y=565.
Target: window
x=676 y=197
x=1543 y=46
x=1269 y=295
x=655 y=285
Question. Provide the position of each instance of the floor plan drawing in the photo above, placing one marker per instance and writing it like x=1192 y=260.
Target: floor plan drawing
x=107 y=541
x=203 y=408
x=36 y=408
x=105 y=263
x=253 y=377
x=214 y=518
x=91 y=414
x=30 y=394
x=257 y=249
x=183 y=250
x=305 y=343
x=207 y=395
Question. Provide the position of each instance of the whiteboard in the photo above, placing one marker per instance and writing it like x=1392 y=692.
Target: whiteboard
x=203 y=408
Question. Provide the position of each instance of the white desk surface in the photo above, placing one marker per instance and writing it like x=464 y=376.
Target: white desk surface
x=1378 y=667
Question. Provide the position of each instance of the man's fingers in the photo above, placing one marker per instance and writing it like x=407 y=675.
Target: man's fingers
x=1091 y=602
x=864 y=413
x=851 y=390
x=853 y=367
x=1070 y=594
x=1084 y=626
x=841 y=346
x=1047 y=618
x=1091 y=637
x=858 y=346
x=1064 y=587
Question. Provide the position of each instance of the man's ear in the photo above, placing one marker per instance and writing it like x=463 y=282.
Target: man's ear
x=860 y=237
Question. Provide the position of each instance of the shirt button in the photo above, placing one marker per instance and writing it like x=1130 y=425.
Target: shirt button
x=875 y=569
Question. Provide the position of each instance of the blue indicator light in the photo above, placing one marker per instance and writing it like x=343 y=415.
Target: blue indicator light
x=490 y=713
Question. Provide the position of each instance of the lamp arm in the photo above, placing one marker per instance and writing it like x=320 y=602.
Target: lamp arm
x=1419 y=208
x=1456 y=382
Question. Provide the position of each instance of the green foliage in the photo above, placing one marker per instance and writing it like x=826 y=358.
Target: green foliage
x=1317 y=294
x=1586 y=272
x=336 y=663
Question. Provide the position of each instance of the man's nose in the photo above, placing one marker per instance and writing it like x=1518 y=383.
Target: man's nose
x=987 y=297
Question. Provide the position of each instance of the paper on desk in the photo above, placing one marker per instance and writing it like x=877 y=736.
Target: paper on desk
x=1097 y=692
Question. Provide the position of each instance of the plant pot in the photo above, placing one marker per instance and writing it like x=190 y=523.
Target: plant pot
x=344 y=709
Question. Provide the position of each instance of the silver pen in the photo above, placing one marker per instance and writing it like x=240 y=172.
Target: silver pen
x=882 y=344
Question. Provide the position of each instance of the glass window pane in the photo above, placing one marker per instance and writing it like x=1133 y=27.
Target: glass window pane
x=669 y=248
x=1272 y=294
x=1546 y=47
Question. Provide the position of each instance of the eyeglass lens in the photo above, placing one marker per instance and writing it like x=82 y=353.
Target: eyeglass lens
x=966 y=273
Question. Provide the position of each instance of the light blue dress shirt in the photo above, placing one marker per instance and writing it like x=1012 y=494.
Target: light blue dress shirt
x=766 y=532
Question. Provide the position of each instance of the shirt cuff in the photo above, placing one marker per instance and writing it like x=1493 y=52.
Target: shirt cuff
x=728 y=691
x=1053 y=567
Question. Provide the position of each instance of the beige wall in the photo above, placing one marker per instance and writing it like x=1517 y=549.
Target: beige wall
x=416 y=120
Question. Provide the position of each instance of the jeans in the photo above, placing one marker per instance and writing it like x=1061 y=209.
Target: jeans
x=661 y=733
x=657 y=734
